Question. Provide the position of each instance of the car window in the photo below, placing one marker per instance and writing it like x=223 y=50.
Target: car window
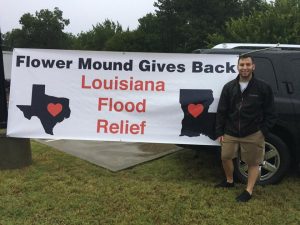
x=264 y=70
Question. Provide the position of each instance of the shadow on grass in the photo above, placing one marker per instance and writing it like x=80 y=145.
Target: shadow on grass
x=201 y=164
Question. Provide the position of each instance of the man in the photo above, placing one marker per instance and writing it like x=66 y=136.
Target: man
x=244 y=117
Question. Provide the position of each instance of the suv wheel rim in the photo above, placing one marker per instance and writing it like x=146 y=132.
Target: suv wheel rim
x=269 y=166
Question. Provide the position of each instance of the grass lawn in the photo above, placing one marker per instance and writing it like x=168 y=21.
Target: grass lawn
x=177 y=189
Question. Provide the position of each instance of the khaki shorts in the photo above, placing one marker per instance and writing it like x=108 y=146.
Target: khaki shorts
x=252 y=148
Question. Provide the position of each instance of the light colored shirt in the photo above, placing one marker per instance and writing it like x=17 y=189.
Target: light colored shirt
x=243 y=86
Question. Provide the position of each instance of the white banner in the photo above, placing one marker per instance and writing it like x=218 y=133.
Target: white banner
x=116 y=96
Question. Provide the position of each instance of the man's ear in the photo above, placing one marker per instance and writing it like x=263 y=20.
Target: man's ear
x=253 y=67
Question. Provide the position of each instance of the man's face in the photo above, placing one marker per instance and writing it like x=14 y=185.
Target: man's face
x=245 y=67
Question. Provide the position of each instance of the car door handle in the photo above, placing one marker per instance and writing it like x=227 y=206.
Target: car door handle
x=289 y=87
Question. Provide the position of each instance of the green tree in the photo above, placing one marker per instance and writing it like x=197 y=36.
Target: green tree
x=129 y=41
x=184 y=25
x=280 y=23
x=250 y=6
x=96 y=39
x=42 y=30
x=149 y=33
x=144 y=39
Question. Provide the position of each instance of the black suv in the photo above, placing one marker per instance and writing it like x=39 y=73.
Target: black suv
x=281 y=70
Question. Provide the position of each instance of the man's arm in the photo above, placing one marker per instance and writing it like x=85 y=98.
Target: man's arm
x=269 y=115
x=221 y=114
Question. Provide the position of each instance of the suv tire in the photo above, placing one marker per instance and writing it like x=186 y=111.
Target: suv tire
x=276 y=163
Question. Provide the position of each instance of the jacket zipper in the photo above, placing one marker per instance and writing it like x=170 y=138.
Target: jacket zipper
x=240 y=107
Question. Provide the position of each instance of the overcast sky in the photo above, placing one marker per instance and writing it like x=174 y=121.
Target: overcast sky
x=82 y=13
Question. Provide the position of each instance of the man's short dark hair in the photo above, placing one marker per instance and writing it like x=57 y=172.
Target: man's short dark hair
x=244 y=56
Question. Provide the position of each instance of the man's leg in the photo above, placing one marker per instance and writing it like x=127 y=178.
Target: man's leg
x=252 y=153
x=252 y=177
x=253 y=172
x=228 y=152
x=253 y=149
x=228 y=169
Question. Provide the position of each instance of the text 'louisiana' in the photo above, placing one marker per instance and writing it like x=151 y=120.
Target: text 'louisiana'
x=122 y=84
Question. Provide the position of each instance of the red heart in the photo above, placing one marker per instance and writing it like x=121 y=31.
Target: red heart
x=195 y=110
x=54 y=109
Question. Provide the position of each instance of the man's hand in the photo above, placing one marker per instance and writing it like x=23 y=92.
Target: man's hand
x=220 y=139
